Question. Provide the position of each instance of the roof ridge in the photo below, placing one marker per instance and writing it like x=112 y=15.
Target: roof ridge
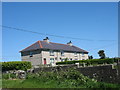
x=57 y=43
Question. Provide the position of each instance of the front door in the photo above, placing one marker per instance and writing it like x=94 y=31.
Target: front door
x=45 y=61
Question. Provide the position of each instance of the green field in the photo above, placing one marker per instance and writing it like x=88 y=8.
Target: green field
x=66 y=79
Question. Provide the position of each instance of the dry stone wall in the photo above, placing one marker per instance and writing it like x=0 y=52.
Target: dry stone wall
x=104 y=73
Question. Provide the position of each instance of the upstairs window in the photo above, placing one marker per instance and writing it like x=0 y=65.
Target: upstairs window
x=31 y=54
x=51 y=53
x=82 y=54
x=62 y=53
x=75 y=54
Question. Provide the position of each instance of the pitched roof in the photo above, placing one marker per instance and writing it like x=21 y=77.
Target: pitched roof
x=53 y=46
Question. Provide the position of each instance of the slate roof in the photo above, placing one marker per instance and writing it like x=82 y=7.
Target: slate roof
x=53 y=46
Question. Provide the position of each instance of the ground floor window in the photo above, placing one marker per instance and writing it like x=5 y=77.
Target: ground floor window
x=52 y=60
x=71 y=59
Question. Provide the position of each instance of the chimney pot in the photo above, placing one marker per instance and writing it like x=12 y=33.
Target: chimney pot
x=46 y=39
x=69 y=43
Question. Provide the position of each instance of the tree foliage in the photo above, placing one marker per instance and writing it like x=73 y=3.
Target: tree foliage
x=101 y=54
x=91 y=57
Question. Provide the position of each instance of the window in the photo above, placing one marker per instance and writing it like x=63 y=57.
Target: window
x=75 y=54
x=62 y=60
x=51 y=53
x=82 y=54
x=31 y=54
x=55 y=58
x=71 y=59
x=62 y=53
x=52 y=60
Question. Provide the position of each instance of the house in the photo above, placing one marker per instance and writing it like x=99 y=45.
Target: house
x=46 y=52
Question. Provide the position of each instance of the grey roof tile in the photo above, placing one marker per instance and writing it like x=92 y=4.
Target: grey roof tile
x=53 y=46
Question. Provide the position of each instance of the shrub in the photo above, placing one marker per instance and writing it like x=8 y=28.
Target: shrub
x=5 y=76
x=69 y=78
x=91 y=61
x=8 y=75
x=16 y=65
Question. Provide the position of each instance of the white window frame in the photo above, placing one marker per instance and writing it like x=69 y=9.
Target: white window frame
x=75 y=54
x=62 y=53
x=31 y=54
x=82 y=54
x=51 y=53
x=52 y=60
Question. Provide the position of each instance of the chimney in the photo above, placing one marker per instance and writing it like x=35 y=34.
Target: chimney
x=46 y=39
x=69 y=43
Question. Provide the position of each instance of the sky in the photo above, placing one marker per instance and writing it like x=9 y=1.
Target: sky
x=94 y=23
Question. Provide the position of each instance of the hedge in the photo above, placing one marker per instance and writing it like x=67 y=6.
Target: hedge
x=16 y=65
x=91 y=61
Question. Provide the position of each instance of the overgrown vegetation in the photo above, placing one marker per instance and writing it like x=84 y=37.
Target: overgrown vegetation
x=15 y=65
x=63 y=79
x=91 y=61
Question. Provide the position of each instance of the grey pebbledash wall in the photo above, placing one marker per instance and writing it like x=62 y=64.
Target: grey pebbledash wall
x=101 y=73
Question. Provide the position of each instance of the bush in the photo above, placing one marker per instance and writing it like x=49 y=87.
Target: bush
x=61 y=76
x=16 y=65
x=8 y=75
x=5 y=76
x=91 y=61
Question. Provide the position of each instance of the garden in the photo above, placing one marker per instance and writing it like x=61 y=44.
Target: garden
x=63 y=79
x=69 y=78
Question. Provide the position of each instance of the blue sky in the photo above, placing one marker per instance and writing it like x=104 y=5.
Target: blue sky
x=84 y=20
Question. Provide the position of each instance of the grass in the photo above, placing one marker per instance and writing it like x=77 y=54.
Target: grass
x=50 y=84
x=66 y=79
x=24 y=84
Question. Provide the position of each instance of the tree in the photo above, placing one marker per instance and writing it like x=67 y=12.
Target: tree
x=101 y=54
x=91 y=57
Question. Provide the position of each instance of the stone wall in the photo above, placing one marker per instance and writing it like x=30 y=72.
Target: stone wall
x=104 y=73
x=101 y=73
x=58 y=68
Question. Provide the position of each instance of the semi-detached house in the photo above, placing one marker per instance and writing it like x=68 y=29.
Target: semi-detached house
x=46 y=52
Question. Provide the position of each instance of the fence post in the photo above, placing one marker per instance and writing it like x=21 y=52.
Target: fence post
x=83 y=64
x=77 y=65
